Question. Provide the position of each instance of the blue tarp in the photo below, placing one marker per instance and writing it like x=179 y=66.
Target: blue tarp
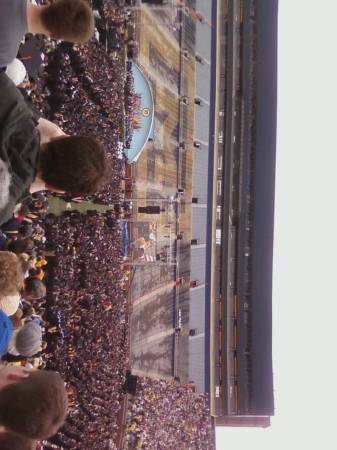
x=125 y=237
x=141 y=135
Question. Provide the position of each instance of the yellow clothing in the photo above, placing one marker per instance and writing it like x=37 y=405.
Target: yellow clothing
x=41 y=263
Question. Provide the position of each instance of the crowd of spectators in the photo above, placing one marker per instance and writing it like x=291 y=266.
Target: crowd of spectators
x=78 y=326
x=165 y=415
x=88 y=89
x=83 y=91
x=84 y=320
x=22 y=332
x=63 y=285
x=88 y=333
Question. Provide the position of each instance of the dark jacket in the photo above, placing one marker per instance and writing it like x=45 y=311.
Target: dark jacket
x=19 y=144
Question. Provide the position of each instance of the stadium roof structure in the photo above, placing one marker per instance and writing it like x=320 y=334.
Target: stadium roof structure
x=240 y=218
x=142 y=132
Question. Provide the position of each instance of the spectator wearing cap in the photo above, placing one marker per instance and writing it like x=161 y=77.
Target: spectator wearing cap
x=11 y=227
x=6 y=331
x=27 y=340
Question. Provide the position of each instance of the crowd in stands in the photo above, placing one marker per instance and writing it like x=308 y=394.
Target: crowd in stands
x=78 y=326
x=63 y=287
x=83 y=338
x=87 y=310
x=88 y=89
x=35 y=405
x=83 y=89
x=165 y=415
x=132 y=107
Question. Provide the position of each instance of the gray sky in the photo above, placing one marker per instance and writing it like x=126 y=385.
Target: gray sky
x=305 y=252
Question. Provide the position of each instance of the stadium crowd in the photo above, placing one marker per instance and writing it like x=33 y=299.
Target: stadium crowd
x=34 y=407
x=83 y=89
x=88 y=333
x=180 y=418
x=35 y=155
x=63 y=287
x=78 y=326
x=88 y=90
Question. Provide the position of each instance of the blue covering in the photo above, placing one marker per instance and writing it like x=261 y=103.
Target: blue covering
x=141 y=135
x=6 y=330
x=125 y=236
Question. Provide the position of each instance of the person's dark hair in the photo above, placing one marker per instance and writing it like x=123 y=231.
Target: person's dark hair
x=69 y=20
x=33 y=272
x=11 y=441
x=25 y=245
x=35 y=407
x=75 y=164
x=34 y=289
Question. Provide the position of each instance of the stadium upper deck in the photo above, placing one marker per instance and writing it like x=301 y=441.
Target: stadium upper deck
x=241 y=211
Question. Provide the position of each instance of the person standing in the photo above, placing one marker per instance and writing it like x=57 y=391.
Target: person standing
x=68 y=20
